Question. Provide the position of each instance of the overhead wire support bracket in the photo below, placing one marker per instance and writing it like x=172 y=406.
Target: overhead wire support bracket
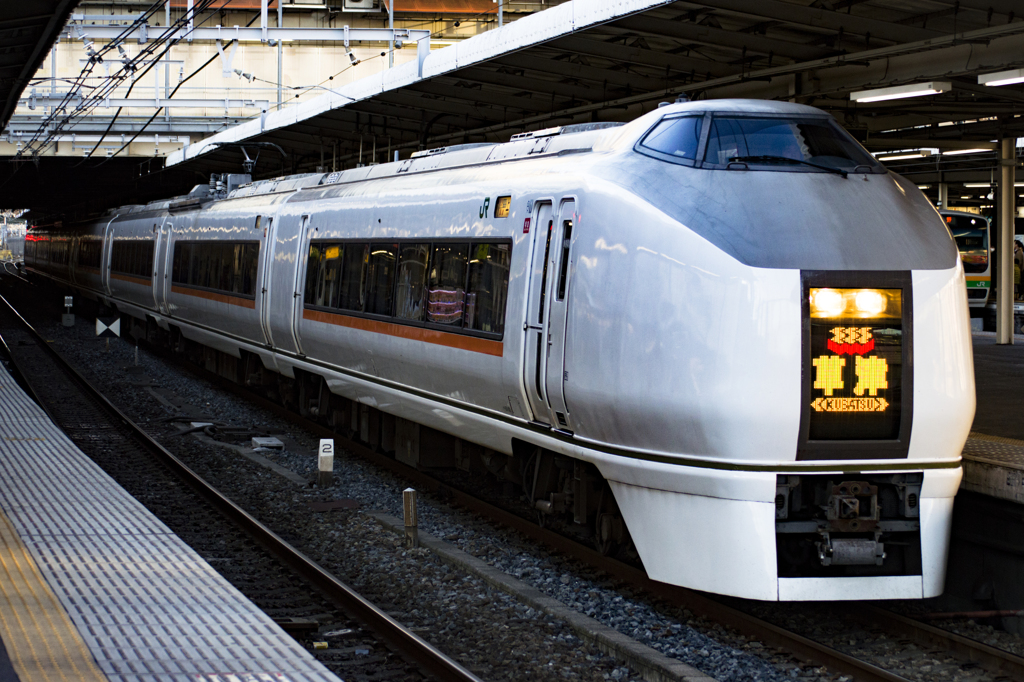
x=275 y=34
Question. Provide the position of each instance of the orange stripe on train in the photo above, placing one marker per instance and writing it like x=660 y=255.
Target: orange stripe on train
x=213 y=296
x=460 y=341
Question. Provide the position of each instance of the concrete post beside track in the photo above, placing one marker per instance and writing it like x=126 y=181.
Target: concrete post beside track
x=410 y=517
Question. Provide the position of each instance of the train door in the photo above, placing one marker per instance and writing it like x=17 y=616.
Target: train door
x=305 y=236
x=108 y=245
x=267 y=261
x=160 y=271
x=534 y=364
x=559 y=261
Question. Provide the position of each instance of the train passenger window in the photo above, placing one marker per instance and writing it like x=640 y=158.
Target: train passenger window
x=380 y=279
x=181 y=264
x=352 y=291
x=250 y=264
x=323 y=274
x=237 y=254
x=488 y=287
x=89 y=253
x=313 y=272
x=446 y=292
x=412 y=275
x=677 y=137
x=224 y=266
x=564 y=266
x=134 y=257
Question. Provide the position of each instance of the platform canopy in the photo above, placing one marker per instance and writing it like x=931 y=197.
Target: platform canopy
x=27 y=32
x=611 y=60
x=591 y=60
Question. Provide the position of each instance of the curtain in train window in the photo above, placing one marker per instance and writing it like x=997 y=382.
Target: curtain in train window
x=446 y=291
x=488 y=287
x=203 y=268
x=235 y=263
x=380 y=275
x=147 y=258
x=412 y=275
x=330 y=282
x=227 y=267
x=355 y=258
x=182 y=261
x=313 y=273
x=250 y=264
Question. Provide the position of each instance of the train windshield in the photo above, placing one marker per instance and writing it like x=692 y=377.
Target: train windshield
x=792 y=144
x=971 y=235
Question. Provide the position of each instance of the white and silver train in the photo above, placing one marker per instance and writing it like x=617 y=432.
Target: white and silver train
x=722 y=334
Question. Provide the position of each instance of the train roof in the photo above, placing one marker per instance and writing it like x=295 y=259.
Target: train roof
x=578 y=138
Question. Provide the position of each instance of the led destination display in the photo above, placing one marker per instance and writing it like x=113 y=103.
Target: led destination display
x=856 y=364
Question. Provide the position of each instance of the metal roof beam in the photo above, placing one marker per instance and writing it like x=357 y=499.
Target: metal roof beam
x=475 y=110
x=446 y=87
x=823 y=19
x=709 y=35
x=911 y=143
x=534 y=85
x=566 y=69
x=618 y=52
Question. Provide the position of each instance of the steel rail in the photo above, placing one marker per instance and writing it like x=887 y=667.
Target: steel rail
x=988 y=657
x=408 y=643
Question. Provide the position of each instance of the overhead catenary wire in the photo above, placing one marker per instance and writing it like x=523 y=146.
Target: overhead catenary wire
x=157 y=113
x=79 y=82
x=153 y=63
x=166 y=40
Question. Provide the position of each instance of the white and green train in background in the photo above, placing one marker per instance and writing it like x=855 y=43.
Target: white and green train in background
x=971 y=232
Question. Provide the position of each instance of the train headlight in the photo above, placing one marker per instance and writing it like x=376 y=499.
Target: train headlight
x=870 y=302
x=827 y=303
x=856 y=303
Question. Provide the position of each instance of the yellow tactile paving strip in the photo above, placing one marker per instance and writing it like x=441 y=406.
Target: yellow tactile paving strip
x=41 y=641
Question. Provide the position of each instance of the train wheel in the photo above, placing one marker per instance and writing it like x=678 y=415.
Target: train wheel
x=609 y=528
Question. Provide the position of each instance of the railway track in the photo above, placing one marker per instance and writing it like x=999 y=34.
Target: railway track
x=722 y=611
x=271 y=576
x=731 y=613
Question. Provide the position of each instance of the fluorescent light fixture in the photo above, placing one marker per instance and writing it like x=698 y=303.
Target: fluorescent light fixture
x=901 y=91
x=954 y=152
x=967 y=196
x=924 y=186
x=908 y=155
x=989 y=184
x=1002 y=78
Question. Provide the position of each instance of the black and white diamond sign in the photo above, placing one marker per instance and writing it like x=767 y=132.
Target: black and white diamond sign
x=108 y=326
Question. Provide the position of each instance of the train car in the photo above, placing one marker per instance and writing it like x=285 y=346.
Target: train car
x=971 y=232
x=721 y=334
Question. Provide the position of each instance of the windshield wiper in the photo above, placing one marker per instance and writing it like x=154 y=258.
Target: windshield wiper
x=767 y=158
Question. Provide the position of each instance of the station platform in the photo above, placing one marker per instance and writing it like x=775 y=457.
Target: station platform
x=994 y=454
x=93 y=587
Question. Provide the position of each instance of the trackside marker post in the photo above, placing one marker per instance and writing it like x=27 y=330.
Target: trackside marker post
x=107 y=327
x=412 y=536
x=68 y=318
x=325 y=463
